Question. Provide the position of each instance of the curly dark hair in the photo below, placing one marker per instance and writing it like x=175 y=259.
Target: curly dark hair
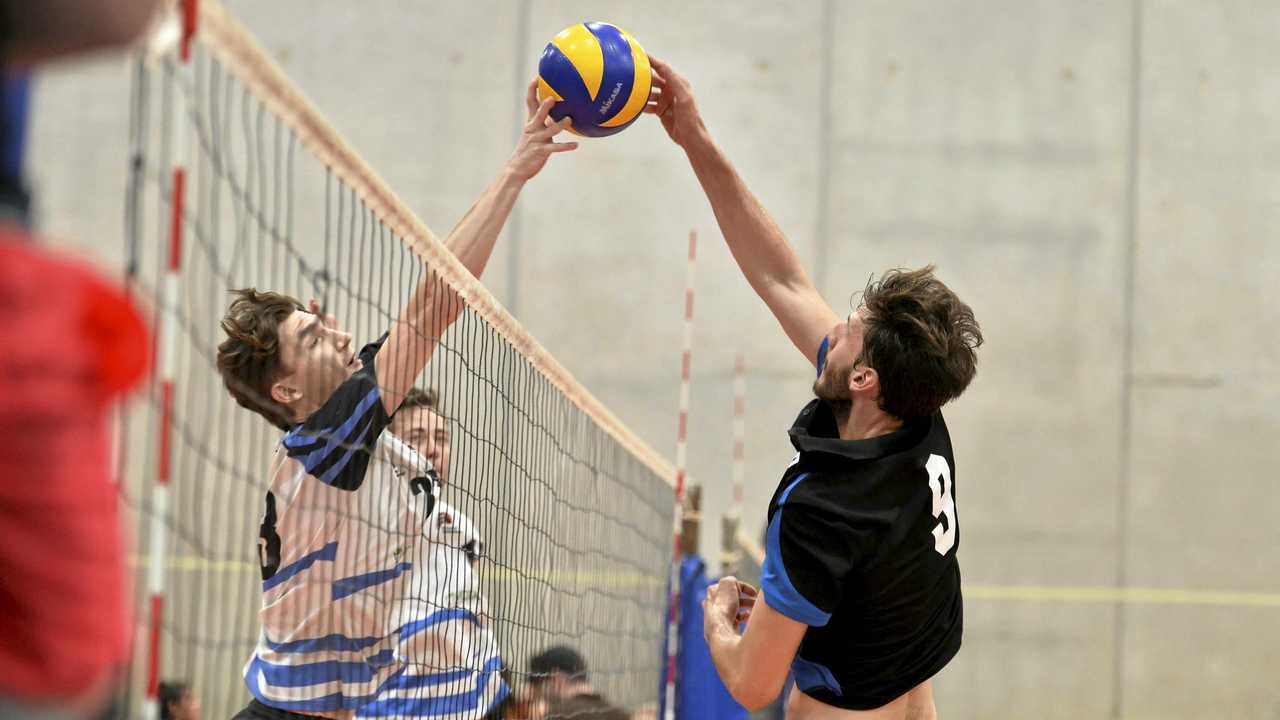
x=921 y=340
x=249 y=359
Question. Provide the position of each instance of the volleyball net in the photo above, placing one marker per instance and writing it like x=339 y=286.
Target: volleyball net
x=552 y=525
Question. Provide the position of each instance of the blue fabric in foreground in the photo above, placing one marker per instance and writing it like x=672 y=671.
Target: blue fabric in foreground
x=699 y=691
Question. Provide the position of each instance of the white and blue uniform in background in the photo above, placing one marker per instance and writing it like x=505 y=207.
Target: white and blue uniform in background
x=454 y=673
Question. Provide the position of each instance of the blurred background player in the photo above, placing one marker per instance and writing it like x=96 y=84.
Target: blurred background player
x=337 y=539
x=73 y=344
x=860 y=555
x=461 y=675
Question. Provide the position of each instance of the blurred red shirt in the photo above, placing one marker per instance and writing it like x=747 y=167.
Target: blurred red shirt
x=70 y=344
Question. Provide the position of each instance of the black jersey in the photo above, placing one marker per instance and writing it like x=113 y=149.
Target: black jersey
x=861 y=547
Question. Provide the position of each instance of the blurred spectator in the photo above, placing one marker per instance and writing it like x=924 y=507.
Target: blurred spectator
x=560 y=687
x=178 y=702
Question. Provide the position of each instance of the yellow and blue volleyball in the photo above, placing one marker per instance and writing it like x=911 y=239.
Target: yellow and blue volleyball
x=599 y=76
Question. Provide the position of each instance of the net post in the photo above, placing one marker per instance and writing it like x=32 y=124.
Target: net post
x=682 y=436
x=166 y=349
x=691 y=520
x=728 y=544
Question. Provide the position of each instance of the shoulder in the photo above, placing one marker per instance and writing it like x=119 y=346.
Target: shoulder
x=820 y=484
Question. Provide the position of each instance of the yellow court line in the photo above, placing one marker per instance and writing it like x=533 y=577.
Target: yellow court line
x=972 y=591
x=1131 y=595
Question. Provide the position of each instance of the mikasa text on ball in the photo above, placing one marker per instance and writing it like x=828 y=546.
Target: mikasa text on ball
x=599 y=76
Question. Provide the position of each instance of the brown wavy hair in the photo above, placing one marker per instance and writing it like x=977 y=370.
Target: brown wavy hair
x=249 y=359
x=419 y=397
x=921 y=339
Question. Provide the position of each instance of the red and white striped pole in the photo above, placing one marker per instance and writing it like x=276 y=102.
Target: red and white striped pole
x=166 y=349
x=739 y=432
x=732 y=519
x=682 y=451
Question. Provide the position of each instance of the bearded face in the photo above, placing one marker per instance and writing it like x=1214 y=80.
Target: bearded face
x=832 y=386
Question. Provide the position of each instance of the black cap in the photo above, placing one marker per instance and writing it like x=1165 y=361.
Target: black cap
x=557 y=659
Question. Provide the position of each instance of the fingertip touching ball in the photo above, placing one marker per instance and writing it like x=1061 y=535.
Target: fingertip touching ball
x=599 y=76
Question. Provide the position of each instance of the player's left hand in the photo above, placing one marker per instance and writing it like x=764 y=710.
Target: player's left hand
x=537 y=139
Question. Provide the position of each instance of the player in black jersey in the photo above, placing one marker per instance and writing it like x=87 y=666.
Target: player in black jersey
x=860 y=595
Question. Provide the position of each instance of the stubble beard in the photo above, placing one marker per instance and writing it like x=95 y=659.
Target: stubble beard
x=832 y=387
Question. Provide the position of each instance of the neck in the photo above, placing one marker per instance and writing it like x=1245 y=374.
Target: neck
x=303 y=410
x=864 y=420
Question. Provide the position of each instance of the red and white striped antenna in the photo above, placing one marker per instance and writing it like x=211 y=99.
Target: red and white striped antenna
x=682 y=452
x=166 y=349
x=739 y=432
x=732 y=519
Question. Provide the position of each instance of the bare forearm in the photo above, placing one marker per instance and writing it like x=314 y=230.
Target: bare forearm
x=761 y=250
x=756 y=241
x=473 y=238
x=725 y=645
x=431 y=309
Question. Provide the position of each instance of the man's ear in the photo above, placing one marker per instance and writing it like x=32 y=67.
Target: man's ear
x=864 y=379
x=283 y=393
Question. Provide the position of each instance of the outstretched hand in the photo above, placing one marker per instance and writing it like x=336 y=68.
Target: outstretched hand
x=537 y=139
x=671 y=99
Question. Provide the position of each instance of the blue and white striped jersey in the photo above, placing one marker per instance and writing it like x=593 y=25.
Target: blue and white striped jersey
x=454 y=663
x=345 y=515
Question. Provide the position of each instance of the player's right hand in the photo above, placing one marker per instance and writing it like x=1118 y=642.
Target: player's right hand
x=537 y=139
x=721 y=605
x=671 y=99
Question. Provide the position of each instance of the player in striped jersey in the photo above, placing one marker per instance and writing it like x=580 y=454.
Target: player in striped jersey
x=455 y=673
x=346 y=505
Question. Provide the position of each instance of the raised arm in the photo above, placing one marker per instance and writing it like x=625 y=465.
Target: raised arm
x=434 y=305
x=757 y=243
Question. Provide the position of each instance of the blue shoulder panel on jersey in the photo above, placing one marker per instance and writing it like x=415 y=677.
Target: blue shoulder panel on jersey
x=780 y=593
x=354 y=584
x=328 y=552
x=811 y=675
x=297 y=440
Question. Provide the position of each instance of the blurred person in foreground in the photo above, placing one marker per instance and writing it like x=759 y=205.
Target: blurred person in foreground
x=346 y=502
x=860 y=595
x=559 y=688
x=72 y=344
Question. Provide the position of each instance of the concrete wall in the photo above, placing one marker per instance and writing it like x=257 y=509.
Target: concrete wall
x=1095 y=178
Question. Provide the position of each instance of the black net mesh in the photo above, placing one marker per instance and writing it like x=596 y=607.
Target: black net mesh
x=544 y=530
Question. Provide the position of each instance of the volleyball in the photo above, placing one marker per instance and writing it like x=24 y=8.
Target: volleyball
x=599 y=76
